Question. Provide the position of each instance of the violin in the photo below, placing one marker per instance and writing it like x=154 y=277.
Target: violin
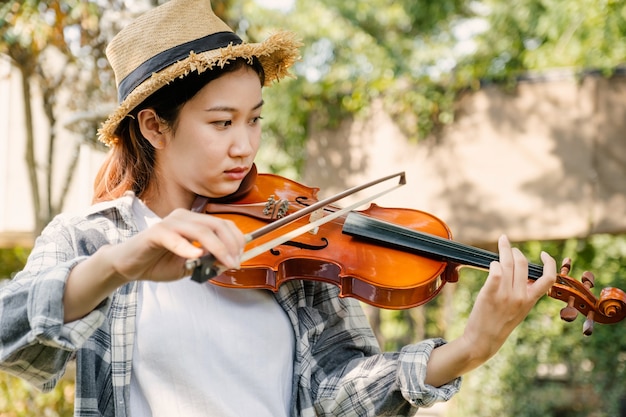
x=392 y=258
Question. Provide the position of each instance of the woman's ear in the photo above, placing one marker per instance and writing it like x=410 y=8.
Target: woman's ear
x=152 y=127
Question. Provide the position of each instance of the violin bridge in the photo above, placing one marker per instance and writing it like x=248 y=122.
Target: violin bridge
x=276 y=209
x=283 y=209
x=316 y=215
x=269 y=206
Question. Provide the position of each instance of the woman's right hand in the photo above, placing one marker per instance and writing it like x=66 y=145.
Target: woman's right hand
x=158 y=253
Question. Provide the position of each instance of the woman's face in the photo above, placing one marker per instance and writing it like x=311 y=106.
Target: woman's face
x=216 y=137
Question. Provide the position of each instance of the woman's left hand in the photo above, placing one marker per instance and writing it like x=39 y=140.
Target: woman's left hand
x=504 y=301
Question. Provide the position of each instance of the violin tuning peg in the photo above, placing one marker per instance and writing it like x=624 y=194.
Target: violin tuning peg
x=566 y=265
x=569 y=313
x=588 y=279
x=588 y=326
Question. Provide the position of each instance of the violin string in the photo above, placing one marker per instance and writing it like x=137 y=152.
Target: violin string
x=310 y=226
x=453 y=250
x=320 y=204
x=467 y=252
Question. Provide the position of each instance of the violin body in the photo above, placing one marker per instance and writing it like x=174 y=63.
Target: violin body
x=383 y=277
x=392 y=258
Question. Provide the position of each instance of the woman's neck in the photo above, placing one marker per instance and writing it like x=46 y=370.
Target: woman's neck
x=163 y=201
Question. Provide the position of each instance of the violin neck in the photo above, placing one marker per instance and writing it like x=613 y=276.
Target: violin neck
x=424 y=244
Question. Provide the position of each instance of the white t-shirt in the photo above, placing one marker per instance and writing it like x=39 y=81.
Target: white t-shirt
x=203 y=350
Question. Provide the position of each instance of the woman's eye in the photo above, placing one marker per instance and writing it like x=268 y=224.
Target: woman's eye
x=223 y=123
x=256 y=120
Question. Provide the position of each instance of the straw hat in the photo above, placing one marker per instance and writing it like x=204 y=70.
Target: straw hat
x=176 y=38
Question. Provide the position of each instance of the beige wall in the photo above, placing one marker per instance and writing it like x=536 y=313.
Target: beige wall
x=547 y=161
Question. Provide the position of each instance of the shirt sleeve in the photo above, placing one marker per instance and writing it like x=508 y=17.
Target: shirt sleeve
x=354 y=377
x=35 y=344
x=411 y=374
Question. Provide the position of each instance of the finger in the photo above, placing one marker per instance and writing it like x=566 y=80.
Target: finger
x=492 y=284
x=223 y=240
x=232 y=237
x=520 y=271
x=547 y=279
x=174 y=242
x=506 y=260
x=214 y=235
x=185 y=270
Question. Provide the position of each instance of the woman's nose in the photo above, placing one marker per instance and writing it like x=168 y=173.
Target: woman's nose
x=243 y=141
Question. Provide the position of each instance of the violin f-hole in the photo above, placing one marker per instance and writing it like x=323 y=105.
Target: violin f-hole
x=302 y=245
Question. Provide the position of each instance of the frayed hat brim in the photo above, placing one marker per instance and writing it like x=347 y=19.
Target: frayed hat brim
x=276 y=54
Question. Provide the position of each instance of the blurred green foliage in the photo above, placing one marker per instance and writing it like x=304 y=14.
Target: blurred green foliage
x=548 y=368
x=12 y=260
x=19 y=399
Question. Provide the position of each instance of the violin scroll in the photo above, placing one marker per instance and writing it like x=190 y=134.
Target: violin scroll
x=609 y=308
x=612 y=304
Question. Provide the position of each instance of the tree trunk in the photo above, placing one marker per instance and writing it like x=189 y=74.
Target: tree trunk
x=31 y=162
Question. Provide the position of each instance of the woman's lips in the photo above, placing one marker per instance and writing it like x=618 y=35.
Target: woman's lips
x=236 y=173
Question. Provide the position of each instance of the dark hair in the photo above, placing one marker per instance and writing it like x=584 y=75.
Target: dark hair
x=130 y=163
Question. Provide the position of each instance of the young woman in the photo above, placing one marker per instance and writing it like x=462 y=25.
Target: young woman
x=110 y=288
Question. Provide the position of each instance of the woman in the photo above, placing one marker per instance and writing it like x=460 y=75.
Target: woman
x=107 y=287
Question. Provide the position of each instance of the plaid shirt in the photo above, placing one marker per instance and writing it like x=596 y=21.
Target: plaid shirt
x=338 y=367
